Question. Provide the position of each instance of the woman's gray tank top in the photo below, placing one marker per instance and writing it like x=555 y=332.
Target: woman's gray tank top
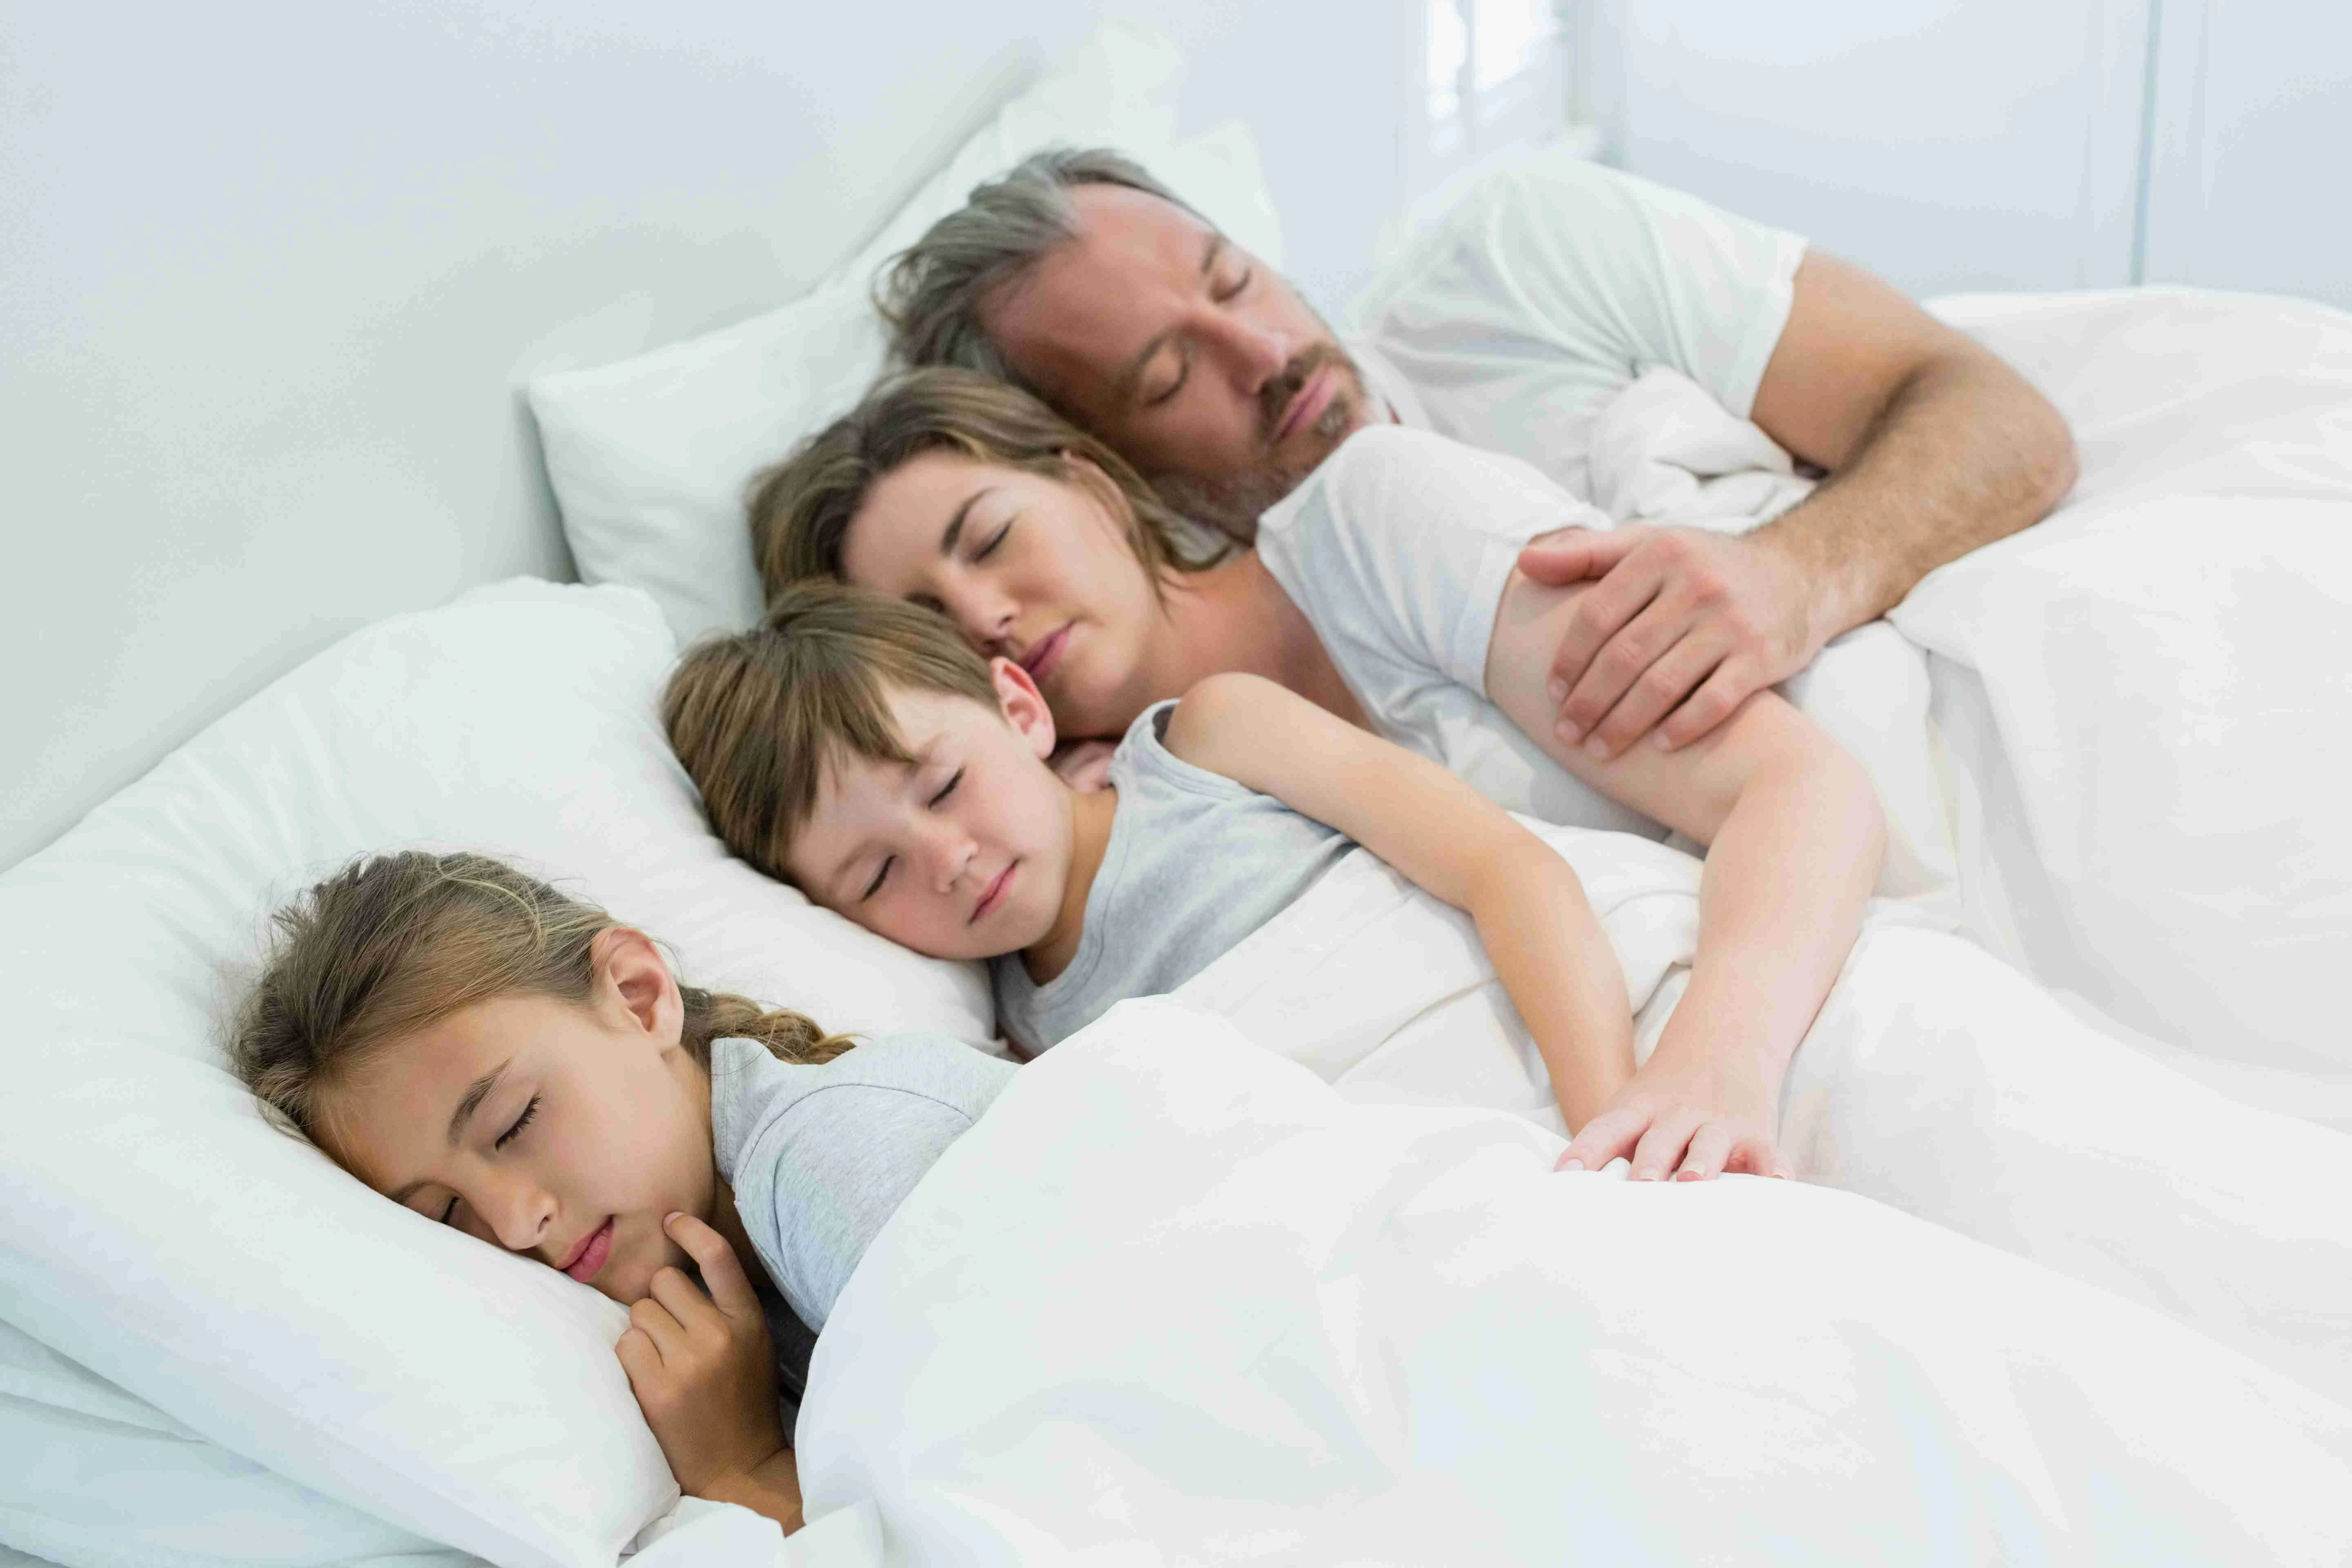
x=1195 y=863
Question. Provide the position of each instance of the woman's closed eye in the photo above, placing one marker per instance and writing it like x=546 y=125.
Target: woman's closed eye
x=985 y=551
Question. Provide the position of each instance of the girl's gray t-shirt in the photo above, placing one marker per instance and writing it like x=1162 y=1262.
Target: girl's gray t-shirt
x=821 y=1156
x=1195 y=863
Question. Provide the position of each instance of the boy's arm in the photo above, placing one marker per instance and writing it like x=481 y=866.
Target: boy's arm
x=1547 y=947
x=1795 y=834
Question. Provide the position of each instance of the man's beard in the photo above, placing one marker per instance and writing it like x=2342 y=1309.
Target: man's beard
x=1232 y=503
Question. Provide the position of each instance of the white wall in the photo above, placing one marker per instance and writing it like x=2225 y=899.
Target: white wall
x=273 y=271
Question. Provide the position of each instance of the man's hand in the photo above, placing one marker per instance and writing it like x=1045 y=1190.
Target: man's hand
x=1688 y=1121
x=703 y=1369
x=1683 y=626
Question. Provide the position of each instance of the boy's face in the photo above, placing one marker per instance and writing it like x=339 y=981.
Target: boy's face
x=963 y=855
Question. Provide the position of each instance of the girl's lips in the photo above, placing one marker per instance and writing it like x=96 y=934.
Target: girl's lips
x=592 y=1255
x=995 y=894
x=1046 y=654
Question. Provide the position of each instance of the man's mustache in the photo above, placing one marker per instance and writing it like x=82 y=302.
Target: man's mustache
x=1274 y=396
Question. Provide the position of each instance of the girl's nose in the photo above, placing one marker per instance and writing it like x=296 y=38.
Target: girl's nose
x=519 y=1213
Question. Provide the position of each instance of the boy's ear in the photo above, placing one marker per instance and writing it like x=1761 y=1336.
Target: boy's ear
x=630 y=976
x=1023 y=705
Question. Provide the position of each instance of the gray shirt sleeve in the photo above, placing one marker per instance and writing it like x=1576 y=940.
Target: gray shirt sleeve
x=821 y=1157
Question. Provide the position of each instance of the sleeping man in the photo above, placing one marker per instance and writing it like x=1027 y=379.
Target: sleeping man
x=1511 y=327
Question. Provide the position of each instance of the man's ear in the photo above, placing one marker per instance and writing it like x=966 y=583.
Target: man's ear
x=1023 y=705
x=632 y=979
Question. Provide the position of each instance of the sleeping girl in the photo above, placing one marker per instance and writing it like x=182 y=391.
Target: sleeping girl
x=516 y=1063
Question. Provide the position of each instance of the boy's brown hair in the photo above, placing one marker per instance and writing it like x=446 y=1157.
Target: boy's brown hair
x=757 y=717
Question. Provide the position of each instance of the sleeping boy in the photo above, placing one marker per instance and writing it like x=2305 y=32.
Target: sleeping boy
x=858 y=748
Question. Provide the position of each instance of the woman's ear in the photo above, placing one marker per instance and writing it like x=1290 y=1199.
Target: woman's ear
x=631 y=977
x=1023 y=705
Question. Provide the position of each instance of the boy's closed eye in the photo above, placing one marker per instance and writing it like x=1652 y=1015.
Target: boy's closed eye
x=882 y=872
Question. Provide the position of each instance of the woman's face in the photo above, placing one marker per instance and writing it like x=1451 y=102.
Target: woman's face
x=1034 y=569
x=561 y=1132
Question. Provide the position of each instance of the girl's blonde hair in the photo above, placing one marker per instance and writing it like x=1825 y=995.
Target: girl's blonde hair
x=394 y=943
x=800 y=509
x=758 y=716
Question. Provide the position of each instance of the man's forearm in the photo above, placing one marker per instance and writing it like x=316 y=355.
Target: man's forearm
x=1966 y=452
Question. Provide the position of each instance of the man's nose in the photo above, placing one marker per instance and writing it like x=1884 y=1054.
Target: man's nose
x=1254 y=351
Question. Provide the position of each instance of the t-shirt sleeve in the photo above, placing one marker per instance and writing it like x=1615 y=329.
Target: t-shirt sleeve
x=827 y=1167
x=1612 y=270
x=1402 y=543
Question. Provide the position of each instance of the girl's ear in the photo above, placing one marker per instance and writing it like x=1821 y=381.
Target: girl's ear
x=631 y=977
x=1023 y=705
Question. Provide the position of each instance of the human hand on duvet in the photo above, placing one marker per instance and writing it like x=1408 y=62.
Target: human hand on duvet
x=1682 y=627
x=704 y=1372
x=1690 y=1121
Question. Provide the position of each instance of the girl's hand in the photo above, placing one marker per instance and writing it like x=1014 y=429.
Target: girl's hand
x=702 y=1367
x=1691 y=1120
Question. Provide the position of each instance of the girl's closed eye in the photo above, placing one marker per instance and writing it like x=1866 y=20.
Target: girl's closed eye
x=520 y=1122
x=994 y=540
x=948 y=788
x=880 y=873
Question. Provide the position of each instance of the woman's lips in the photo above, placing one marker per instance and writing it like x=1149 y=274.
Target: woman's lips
x=1308 y=406
x=593 y=1253
x=995 y=894
x=1046 y=654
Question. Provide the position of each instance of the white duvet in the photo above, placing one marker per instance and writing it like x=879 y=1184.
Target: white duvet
x=1175 y=1301
x=2136 y=749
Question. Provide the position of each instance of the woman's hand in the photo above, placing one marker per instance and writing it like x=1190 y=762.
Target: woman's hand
x=1692 y=1120
x=703 y=1369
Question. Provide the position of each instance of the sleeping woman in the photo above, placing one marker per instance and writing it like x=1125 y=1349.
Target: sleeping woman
x=1384 y=591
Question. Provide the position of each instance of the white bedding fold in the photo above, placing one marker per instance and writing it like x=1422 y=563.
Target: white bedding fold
x=1174 y=1300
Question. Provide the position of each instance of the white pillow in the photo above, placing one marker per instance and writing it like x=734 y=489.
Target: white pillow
x=158 y=1232
x=649 y=457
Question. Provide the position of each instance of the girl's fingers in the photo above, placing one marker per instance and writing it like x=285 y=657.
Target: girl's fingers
x=1661 y=1149
x=654 y=1321
x=1602 y=1139
x=1710 y=1146
x=683 y=1300
x=639 y=1358
x=722 y=1272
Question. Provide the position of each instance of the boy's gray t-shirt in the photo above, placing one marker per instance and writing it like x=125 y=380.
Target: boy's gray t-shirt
x=820 y=1157
x=1195 y=863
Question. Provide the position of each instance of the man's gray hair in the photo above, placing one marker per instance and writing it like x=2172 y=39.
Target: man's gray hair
x=932 y=292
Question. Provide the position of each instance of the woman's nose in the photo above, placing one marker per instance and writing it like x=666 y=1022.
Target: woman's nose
x=983 y=614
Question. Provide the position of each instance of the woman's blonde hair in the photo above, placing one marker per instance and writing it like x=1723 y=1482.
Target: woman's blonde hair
x=758 y=716
x=800 y=509
x=394 y=943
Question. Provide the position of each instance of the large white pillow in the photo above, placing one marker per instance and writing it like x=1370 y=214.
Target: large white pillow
x=649 y=457
x=159 y=1233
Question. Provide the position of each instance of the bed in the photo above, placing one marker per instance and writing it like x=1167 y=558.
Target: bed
x=297 y=1373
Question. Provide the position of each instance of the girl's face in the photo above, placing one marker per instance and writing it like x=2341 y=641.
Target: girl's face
x=561 y=1132
x=964 y=855
x=1032 y=569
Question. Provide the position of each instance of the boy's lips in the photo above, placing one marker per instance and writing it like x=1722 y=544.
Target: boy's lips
x=590 y=1254
x=994 y=895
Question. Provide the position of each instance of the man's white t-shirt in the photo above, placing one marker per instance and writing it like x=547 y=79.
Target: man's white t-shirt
x=1552 y=286
x=1397 y=549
